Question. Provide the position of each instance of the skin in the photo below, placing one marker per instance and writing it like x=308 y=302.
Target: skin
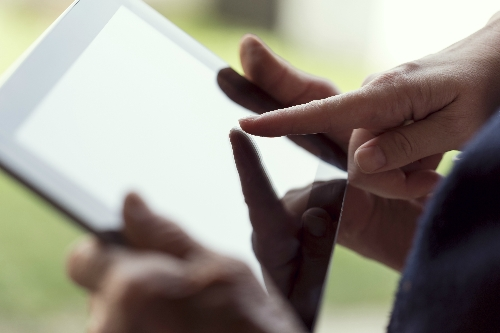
x=292 y=241
x=166 y=282
x=404 y=117
x=384 y=230
x=165 y=271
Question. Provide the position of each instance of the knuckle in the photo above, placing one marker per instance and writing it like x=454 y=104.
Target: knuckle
x=323 y=108
x=391 y=78
x=127 y=285
x=399 y=77
x=409 y=67
x=403 y=145
x=318 y=105
x=369 y=79
x=393 y=88
x=319 y=108
x=321 y=105
x=357 y=179
x=227 y=270
x=231 y=268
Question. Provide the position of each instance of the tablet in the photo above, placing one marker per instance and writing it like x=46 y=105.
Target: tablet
x=114 y=98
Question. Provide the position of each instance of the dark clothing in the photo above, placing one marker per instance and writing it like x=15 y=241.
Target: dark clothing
x=451 y=282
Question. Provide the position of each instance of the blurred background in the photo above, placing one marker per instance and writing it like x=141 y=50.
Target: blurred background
x=343 y=40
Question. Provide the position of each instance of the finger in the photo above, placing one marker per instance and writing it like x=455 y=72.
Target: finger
x=319 y=232
x=145 y=230
x=341 y=114
x=88 y=263
x=101 y=315
x=426 y=163
x=265 y=209
x=327 y=195
x=369 y=79
x=133 y=285
x=278 y=78
x=405 y=145
x=394 y=184
x=386 y=102
x=274 y=238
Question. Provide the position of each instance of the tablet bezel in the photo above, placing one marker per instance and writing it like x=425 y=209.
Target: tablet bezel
x=39 y=70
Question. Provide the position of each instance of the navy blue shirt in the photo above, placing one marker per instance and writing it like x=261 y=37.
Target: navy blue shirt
x=451 y=282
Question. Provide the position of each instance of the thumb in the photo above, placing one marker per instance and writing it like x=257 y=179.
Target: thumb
x=413 y=181
x=317 y=246
x=146 y=230
x=288 y=85
x=404 y=145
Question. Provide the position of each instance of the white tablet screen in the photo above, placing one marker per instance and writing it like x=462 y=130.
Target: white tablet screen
x=137 y=112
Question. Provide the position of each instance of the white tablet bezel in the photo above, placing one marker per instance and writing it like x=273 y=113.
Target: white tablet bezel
x=31 y=79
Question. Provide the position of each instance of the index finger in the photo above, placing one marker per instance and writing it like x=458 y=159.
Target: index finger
x=369 y=107
x=264 y=206
x=382 y=104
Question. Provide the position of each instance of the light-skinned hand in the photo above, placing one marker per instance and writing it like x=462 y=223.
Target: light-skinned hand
x=396 y=219
x=409 y=115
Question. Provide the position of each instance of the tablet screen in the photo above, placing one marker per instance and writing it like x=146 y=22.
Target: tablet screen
x=136 y=112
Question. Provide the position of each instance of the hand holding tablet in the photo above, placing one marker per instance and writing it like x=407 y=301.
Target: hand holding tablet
x=126 y=101
x=173 y=284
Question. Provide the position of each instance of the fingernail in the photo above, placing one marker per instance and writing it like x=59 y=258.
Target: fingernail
x=248 y=119
x=315 y=224
x=370 y=159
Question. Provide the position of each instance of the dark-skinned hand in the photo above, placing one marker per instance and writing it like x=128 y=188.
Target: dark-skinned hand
x=166 y=282
x=292 y=237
